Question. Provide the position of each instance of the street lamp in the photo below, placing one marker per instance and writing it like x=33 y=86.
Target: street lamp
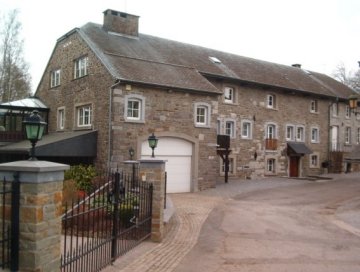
x=152 y=143
x=34 y=126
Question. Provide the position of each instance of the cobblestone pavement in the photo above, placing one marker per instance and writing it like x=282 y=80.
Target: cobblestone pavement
x=183 y=230
x=181 y=235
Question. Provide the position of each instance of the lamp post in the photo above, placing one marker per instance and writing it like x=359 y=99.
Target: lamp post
x=153 y=143
x=132 y=153
x=34 y=126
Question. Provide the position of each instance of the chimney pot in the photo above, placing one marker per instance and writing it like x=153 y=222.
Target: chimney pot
x=121 y=23
x=297 y=65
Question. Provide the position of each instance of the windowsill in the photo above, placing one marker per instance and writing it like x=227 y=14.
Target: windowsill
x=231 y=103
x=271 y=108
x=202 y=126
x=246 y=138
x=315 y=142
x=83 y=128
x=314 y=112
x=54 y=87
x=135 y=121
x=314 y=167
x=80 y=77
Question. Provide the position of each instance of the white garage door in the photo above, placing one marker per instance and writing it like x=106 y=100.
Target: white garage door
x=178 y=154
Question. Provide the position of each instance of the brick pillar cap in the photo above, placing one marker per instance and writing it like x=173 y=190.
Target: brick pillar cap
x=33 y=166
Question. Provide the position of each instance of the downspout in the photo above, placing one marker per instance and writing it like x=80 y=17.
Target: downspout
x=112 y=87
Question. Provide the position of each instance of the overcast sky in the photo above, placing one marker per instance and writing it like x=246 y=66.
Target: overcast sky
x=319 y=34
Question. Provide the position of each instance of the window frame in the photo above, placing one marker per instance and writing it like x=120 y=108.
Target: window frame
x=55 y=78
x=267 y=132
x=83 y=117
x=271 y=165
x=317 y=134
x=232 y=128
x=250 y=129
x=297 y=134
x=347 y=112
x=60 y=118
x=314 y=106
x=81 y=66
x=292 y=138
x=232 y=166
x=232 y=99
x=314 y=158
x=347 y=136
x=141 y=110
x=206 y=115
x=271 y=101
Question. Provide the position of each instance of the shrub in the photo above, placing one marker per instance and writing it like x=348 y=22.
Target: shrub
x=82 y=175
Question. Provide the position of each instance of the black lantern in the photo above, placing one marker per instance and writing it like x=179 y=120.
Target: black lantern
x=131 y=153
x=34 y=126
x=153 y=143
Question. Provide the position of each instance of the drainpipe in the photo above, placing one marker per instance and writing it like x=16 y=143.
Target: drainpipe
x=112 y=87
x=330 y=131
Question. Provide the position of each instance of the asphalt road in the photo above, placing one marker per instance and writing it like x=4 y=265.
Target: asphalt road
x=298 y=226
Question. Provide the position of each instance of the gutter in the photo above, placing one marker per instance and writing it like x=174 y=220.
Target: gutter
x=111 y=88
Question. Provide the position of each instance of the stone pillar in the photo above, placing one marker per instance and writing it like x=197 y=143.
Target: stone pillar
x=153 y=171
x=41 y=185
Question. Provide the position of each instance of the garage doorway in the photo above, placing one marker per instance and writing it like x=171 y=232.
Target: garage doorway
x=178 y=154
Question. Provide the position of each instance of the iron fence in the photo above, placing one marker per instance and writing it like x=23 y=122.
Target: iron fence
x=106 y=224
x=9 y=232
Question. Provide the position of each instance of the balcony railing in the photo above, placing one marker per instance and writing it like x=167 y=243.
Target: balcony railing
x=12 y=136
x=271 y=144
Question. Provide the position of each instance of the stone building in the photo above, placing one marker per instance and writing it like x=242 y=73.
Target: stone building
x=125 y=86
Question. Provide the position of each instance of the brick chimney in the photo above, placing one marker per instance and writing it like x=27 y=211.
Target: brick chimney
x=121 y=23
x=297 y=65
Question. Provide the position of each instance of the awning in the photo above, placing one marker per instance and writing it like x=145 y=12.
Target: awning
x=60 y=144
x=296 y=148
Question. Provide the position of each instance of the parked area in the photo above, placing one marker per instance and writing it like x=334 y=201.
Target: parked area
x=273 y=224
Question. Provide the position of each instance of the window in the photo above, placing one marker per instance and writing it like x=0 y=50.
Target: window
x=271 y=101
x=134 y=108
x=230 y=128
x=315 y=135
x=335 y=109
x=246 y=129
x=229 y=95
x=270 y=165
x=61 y=118
x=314 y=106
x=314 y=161
x=271 y=131
x=348 y=135
x=300 y=134
x=358 y=136
x=347 y=111
x=218 y=127
x=290 y=133
x=81 y=67
x=84 y=115
x=55 y=78
x=202 y=115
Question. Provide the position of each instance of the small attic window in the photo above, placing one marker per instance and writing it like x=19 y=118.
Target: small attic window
x=123 y=15
x=214 y=59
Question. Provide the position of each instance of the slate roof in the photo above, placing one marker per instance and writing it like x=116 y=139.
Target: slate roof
x=157 y=61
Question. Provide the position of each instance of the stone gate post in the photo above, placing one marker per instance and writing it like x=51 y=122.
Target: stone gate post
x=153 y=170
x=41 y=185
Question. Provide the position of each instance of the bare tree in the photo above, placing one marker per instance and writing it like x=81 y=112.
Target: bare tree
x=349 y=78
x=15 y=81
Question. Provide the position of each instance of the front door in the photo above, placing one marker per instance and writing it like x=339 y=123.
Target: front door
x=294 y=166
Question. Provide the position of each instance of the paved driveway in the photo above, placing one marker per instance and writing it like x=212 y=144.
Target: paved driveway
x=288 y=225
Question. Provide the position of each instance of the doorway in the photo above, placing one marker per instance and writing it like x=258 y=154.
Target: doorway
x=294 y=166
